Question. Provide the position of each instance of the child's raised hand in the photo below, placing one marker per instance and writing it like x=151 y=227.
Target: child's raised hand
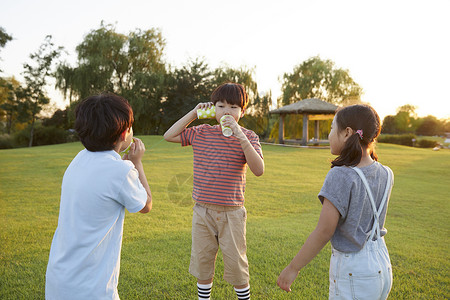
x=203 y=105
x=286 y=278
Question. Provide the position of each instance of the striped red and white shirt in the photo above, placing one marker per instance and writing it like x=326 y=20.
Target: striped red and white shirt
x=219 y=164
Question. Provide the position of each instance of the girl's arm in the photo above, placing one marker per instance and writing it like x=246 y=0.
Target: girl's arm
x=325 y=229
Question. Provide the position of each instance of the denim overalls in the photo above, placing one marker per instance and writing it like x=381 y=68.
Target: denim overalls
x=366 y=274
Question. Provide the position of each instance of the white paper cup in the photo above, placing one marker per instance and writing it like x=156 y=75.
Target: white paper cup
x=206 y=113
x=226 y=131
x=127 y=150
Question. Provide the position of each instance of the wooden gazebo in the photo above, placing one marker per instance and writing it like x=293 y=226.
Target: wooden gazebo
x=311 y=109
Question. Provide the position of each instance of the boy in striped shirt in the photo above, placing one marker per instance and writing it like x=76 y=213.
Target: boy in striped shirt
x=220 y=165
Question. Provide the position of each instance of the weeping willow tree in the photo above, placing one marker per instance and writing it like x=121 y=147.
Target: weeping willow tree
x=130 y=65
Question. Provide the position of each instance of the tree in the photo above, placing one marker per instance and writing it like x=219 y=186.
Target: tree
x=111 y=61
x=129 y=65
x=9 y=102
x=58 y=119
x=257 y=118
x=317 y=78
x=36 y=75
x=4 y=38
x=194 y=83
x=389 y=125
x=186 y=87
x=257 y=113
x=430 y=126
x=405 y=119
x=5 y=85
x=146 y=98
x=403 y=122
x=242 y=75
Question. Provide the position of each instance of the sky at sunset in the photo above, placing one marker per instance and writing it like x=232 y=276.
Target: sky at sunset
x=397 y=51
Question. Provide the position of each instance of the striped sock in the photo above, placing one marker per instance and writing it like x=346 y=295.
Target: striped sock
x=204 y=291
x=243 y=294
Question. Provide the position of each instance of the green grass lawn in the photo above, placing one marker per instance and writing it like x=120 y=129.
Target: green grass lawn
x=282 y=210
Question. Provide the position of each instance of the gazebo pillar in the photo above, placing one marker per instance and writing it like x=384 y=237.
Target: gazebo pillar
x=305 y=129
x=316 y=129
x=281 y=129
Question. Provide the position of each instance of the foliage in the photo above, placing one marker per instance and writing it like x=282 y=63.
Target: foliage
x=186 y=87
x=389 y=125
x=129 y=65
x=111 y=61
x=257 y=116
x=430 y=126
x=317 y=78
x=406 y=121
x=424 y=143
x=399 y=139
x=194 y=83
x=243 y=76
x=6 y=141
x=43 y=135
x=4 y=38
x=161 y=97
x=11 y=110
x=33 y=94
x=282 y=208
x=59 y=119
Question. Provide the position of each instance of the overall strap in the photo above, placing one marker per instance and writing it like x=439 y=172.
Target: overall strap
x=376 y=212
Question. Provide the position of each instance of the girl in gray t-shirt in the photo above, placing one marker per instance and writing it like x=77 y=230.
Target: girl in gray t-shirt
x=354 y=200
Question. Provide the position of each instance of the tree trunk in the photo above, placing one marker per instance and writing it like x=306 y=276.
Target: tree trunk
x=31 y=133
x=9 y=123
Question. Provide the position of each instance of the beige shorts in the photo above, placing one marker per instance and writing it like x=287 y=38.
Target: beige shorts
x=215 y=226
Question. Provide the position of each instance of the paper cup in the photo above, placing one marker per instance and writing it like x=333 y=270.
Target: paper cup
x=127 y=150
x=226 y=131
x=208 y=113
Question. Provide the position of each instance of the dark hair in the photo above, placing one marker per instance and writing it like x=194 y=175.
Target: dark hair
x=232 y=93
x=101 y=119
x=357 y=117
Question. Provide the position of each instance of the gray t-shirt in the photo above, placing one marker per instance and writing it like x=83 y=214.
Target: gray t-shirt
x=344 y=188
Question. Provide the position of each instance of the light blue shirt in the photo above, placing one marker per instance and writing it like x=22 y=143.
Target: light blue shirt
x=84 y=260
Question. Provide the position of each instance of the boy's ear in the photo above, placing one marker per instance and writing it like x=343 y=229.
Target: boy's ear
x=123 y=135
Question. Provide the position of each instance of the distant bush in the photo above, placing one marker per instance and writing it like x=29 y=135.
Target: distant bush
x=426 y=143
x=43 y=135
x=6 y=141
x=399 y=139
x=407 y=140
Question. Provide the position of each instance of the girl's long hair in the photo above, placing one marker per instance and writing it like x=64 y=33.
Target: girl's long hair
x=365 y=120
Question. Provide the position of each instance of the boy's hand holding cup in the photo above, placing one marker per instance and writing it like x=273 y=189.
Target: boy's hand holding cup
x=134 y=151
x=226 y=129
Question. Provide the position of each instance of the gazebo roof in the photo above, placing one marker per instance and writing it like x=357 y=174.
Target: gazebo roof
x=309 y=106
